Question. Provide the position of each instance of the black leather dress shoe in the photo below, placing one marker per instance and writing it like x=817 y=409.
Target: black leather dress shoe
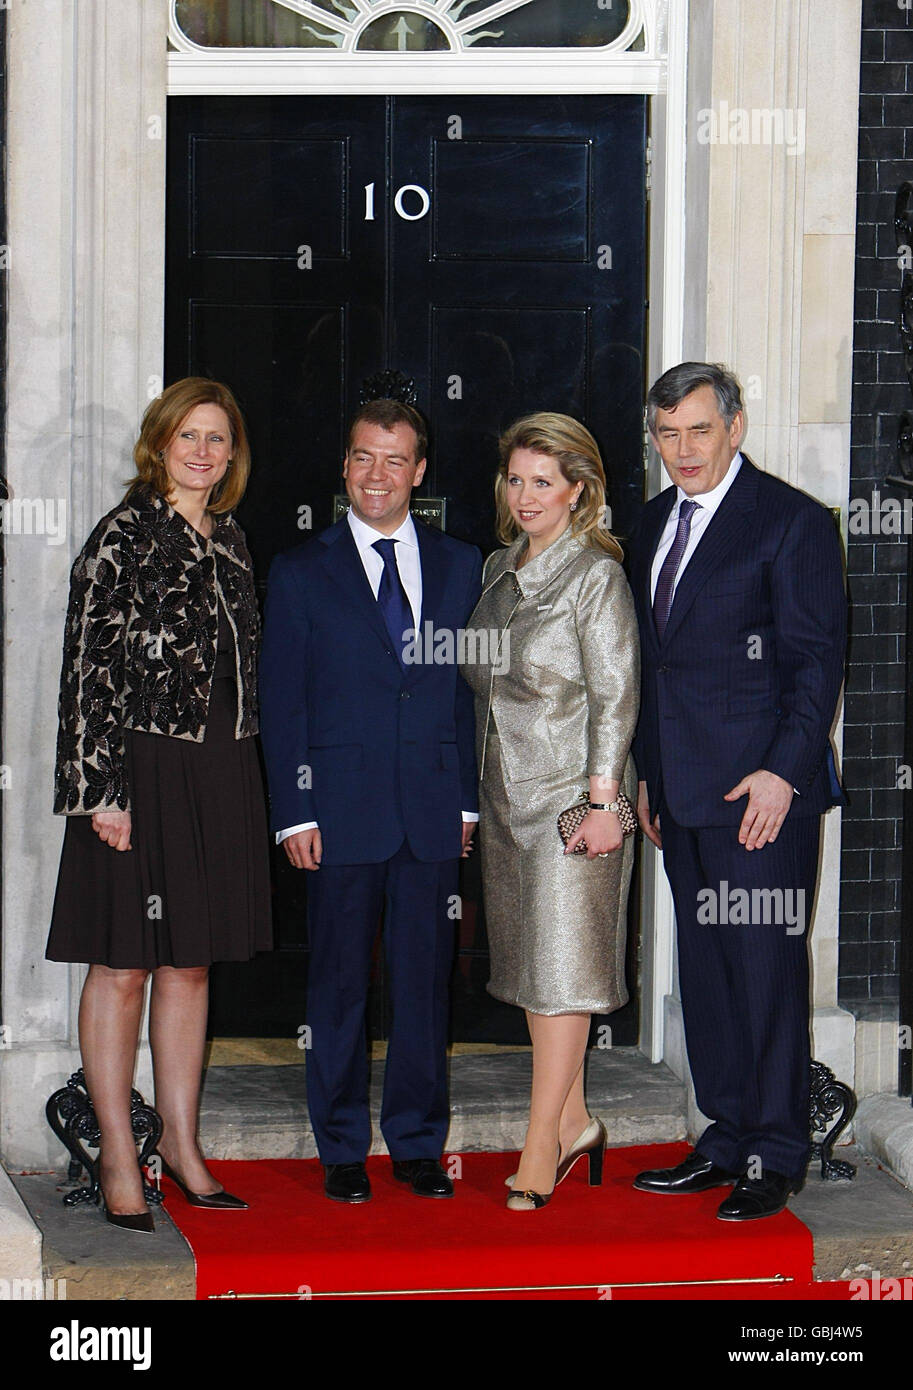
x=425 y=1176
x=694 y=1174
x=346 y=1182
x=753 y=1198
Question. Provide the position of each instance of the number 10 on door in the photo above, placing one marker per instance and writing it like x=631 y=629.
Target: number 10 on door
x=419 y=199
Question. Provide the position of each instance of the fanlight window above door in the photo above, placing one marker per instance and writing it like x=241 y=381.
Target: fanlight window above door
x=419 y=26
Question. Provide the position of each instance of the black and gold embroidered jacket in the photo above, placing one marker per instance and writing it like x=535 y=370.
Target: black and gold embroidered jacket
x=140 y=643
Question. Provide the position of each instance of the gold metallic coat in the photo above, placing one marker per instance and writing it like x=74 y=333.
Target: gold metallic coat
x=556 y=702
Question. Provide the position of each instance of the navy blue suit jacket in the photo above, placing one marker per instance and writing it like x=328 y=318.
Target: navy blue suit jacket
x=372 y=751
x=748 y=673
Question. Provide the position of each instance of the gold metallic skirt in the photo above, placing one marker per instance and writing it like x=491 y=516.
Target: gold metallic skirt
x=556 y=922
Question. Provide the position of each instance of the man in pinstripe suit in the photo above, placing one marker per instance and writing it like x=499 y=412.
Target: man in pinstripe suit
x=738 y=581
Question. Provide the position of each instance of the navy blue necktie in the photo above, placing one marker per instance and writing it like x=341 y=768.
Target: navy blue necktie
x=665 y=583
x=392 y=598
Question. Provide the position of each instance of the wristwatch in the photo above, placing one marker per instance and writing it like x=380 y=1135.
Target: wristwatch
x=613 y=806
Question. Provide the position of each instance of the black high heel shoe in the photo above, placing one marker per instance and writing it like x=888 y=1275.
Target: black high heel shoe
x=214 y=1201
x=130 y=1221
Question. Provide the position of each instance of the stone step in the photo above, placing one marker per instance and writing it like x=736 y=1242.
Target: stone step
x=261 y=1111
x=859 y=1227
x=88 y=1258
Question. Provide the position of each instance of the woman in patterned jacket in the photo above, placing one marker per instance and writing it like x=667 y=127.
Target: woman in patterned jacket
x=164 y=865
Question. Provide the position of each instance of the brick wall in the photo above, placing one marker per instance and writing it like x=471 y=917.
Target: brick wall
x=873 y=738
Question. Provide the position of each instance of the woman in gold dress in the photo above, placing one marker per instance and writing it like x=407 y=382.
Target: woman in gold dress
x=556 y=707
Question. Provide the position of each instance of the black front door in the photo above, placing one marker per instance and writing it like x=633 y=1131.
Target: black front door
x=492 y=249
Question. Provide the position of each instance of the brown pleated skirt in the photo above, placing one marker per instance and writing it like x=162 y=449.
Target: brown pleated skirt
x=195 y=886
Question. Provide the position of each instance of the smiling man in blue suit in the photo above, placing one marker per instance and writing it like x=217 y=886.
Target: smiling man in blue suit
x=372 y=779
x=738 y=582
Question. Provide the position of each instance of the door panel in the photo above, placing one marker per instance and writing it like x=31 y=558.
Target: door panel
x=534 y=251
x=502 y=368
x=313 y=242
x=288 y=184
x=294 y=356
x=549 y=178
x=275 y=284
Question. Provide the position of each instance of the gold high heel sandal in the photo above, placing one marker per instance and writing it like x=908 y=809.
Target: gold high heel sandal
x=528 y=1200
x=592 y=1141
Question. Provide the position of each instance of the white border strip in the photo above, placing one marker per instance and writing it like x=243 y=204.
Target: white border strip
x=540 y=72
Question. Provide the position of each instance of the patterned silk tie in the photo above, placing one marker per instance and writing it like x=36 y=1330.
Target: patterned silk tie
x=392 y=598
x=665 y=583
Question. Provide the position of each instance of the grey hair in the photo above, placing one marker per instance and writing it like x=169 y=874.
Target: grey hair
x=673 y=386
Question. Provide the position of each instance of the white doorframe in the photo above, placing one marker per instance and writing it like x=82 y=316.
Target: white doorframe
x=658 y=72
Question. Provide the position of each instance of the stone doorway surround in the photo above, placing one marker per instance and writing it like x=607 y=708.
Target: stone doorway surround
x=751 y=262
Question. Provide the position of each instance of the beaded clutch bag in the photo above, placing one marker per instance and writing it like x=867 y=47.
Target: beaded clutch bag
x=570 y=819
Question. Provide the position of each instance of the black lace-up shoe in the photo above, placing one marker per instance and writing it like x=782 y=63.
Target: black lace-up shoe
x=753 y=1198
x=425 y=1176
x=346 y=1182
x=694 y=1174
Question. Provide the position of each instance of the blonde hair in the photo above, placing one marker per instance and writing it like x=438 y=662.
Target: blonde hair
x=161 y=422
x=576 y=452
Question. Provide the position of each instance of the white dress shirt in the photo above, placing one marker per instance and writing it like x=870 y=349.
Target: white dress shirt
x=707 y=503
x=407 y=558
x=410 y=572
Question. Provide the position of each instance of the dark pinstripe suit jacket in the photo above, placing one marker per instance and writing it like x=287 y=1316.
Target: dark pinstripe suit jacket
x=749 y=670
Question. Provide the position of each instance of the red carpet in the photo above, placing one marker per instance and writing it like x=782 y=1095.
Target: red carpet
x=588 y=1243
